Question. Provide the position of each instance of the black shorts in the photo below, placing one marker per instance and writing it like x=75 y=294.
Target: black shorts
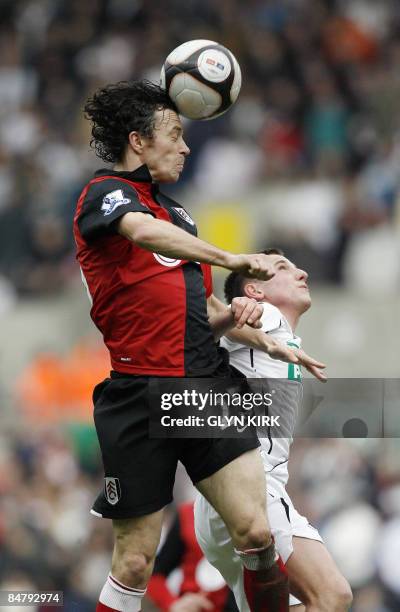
x=139 y=470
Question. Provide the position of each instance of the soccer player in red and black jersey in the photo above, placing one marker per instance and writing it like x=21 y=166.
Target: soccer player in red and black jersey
x=144 y=268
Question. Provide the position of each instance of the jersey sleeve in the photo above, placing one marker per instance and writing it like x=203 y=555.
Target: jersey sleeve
x=106 y=202
x=207 y=276
x=271 y=318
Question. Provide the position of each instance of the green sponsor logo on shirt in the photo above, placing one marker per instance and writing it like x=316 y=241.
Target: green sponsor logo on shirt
x=294 y=370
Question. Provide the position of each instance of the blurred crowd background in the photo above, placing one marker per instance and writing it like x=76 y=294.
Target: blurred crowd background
x=308 y=160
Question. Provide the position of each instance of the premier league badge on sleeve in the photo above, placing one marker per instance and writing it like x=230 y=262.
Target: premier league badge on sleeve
x=112 y=200
x=112 y=490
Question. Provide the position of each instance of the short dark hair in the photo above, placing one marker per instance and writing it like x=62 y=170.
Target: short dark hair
x=121 y=108
x=234 y=282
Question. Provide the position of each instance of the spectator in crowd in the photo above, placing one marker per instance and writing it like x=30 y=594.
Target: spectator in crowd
x=320 y=90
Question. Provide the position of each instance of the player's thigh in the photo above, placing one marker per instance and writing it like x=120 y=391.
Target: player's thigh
x=139 y=470
x=312 y=571
x=137 y=536
x=215 y=540
x=237 y=490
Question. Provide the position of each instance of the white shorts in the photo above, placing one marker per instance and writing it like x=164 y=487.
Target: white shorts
x=217 y=546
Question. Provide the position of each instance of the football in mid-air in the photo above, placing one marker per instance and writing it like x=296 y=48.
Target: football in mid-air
x=202 y=78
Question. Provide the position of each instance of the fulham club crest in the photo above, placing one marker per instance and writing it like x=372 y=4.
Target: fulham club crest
x=112 y=490
x=182 y=212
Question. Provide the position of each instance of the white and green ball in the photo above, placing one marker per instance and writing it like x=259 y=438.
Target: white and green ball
x=202 y=78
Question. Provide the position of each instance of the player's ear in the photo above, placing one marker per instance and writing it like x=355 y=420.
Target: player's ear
x=136 y=142
x=251 y=290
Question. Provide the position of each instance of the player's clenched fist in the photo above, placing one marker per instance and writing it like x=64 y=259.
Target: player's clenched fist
x=254 y=266
x=246 y=311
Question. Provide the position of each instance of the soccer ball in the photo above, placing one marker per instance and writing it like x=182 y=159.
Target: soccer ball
x=202 y=78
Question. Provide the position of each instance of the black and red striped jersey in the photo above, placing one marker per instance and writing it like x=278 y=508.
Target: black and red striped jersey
x=150 y=309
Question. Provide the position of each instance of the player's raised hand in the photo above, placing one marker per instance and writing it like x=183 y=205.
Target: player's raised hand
x=276 y=350
x=254 y=266
x=312 y=365
x=246 y=311
x=279 y=351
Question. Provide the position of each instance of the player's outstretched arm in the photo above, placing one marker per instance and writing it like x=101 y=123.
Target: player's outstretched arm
x=171 y=241
x=255 y=338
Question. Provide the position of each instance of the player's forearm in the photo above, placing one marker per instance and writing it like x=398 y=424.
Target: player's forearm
x=171 y=241
x=257 y=339
x=253 y=338
x=220 y=317
x=221 y=323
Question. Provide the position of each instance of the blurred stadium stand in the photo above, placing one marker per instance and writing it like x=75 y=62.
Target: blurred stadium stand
x=307 y=160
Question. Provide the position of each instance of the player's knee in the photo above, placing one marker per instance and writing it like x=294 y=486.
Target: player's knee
x=132 y=569
x=332 y=597
x=338 y=596
x=344 y=596
x=251 y=532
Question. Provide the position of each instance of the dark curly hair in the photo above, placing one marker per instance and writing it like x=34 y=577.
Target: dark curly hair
x=121 y=108
x=234 y=282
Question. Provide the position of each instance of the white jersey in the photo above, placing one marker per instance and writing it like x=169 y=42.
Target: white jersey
x=256 y=364
x=285 y=521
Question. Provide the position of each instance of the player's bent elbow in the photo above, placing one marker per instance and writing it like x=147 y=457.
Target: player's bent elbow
x=335 y=596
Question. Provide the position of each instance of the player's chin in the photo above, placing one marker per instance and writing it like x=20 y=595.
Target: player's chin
x=173 y=175
x=169 y=177
x=305 y=301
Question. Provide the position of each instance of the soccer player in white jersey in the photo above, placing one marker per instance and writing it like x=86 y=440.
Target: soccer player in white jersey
x=316 y=583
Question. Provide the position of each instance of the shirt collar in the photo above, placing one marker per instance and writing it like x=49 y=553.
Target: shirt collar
x=141 y=174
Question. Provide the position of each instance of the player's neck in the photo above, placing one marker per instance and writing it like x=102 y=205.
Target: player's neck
x=291 y=315
x=129 y=163
x=127 y=167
